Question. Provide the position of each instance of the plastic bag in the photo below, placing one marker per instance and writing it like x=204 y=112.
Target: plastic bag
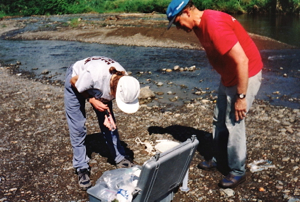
x=118 y=184
x=260 y=165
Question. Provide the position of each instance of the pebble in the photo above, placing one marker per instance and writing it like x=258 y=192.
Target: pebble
x=176 y=68
x=285 y=159
x=45 y=71
x=160 y=84
x=227 y=192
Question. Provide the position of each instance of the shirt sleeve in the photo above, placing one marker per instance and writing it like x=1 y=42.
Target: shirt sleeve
x=84 y=82
x=95 y=93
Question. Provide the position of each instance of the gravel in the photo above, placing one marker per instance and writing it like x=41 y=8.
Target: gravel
x=36 y=154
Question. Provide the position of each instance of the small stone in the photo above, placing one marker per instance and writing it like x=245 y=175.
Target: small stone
x=261 y=189
x=176 y=68
x=159 y=93
x=284 y=159
x=173 y=99
x=227 y=192
x=18 y=120
x=13 y=189
x=45 y=71
x=192 y=68
x=160 y=84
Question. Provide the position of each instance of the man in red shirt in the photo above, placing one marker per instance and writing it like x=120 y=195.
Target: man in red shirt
x=233 y=54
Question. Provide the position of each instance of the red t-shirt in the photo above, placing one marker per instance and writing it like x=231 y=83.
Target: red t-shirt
x=218 y=33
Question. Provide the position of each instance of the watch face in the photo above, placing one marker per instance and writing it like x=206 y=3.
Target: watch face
x=242 y=96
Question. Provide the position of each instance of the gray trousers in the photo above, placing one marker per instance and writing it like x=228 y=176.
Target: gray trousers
x=229 y=135
x=76 y=118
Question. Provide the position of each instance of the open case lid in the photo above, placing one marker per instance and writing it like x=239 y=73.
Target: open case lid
x=164 y=172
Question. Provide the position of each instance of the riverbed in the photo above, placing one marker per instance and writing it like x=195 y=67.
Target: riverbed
x=36 y=42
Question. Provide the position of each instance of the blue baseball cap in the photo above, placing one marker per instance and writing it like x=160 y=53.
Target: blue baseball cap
x=174 y=8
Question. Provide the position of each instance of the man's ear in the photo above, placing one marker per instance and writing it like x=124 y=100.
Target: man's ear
x=187 y=11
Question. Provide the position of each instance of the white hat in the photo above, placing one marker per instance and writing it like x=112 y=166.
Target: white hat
x=128 y=91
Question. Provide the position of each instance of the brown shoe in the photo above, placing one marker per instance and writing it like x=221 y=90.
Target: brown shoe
x=231 y=181
x=207 y=165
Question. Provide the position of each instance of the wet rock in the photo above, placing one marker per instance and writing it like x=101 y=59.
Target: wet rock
x=159 y=83
x=146 y=92
x=159 y=93
x=45 y=71
x=176 y=68
x=173 y=99
x=192 y=68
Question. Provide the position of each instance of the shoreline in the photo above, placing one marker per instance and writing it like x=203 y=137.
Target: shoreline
x=119 y=29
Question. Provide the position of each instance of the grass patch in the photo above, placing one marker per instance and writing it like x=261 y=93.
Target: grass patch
x=74 y=22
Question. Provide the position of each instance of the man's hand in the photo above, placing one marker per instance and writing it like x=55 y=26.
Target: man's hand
x=100 y=106
x=109 y=123
x=240 y=109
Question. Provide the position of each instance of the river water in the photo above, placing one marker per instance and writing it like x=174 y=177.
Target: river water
x=281 y=67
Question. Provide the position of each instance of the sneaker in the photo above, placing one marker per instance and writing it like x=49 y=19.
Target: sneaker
x=231 y=181
x=84 y=179
x=125 y=163
x=207 y=165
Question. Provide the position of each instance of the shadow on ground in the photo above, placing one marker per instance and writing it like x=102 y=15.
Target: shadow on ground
x=205 y=147
x=96 y=143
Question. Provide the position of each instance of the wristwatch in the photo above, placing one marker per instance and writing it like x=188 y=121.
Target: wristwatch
x=241 y=96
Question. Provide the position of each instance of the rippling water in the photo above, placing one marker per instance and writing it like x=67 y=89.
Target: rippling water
x=281 y=67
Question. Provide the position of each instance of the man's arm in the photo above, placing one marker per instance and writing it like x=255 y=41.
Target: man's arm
x=100 y=106
x=237 y=54
x=73 y=81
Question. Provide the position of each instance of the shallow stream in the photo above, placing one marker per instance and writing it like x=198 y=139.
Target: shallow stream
x=281 y=67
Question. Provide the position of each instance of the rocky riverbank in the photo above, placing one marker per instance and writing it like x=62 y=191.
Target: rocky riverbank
x=36 y=153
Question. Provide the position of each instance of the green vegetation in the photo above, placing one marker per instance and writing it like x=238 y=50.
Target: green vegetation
x=50 y=7
x=75 y=22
